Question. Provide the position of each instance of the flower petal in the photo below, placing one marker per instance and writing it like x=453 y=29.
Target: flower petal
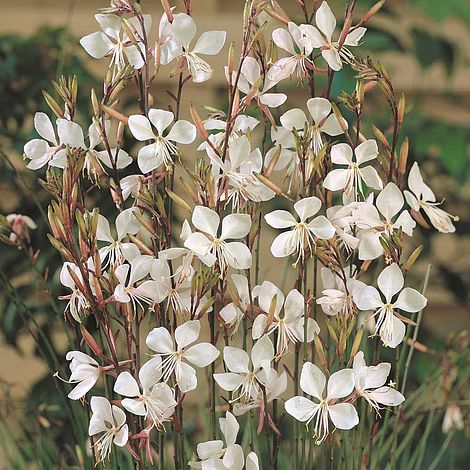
x=301 y=408
x=312 y=380
x=307 y=207
x=325 y=20
x=236 y=360
x=160 y=341
x=321 y=227
x=293 y=119
x=366 y=151
x=126 y=385
x=183 y=29
x=283 y=245
x=319 y=109
x=235 y=226
x=280 y=219
x=343 y=415
x=161 y=119
x=283 y=40
x=182 y=132
x=238 y=255
x=410 y=300
x=210 y=42
x=206 y=220
x=187 y=333
x=202 y=354
x=390 y=281
x=97 y=44
x=140 y=127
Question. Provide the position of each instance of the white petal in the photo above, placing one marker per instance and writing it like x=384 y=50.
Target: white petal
x=319 y=109
x=97 y=44
x=280 y=219
x=366 y=151
x=293 y=119
x=182 y=132
x=300 y=408
x=283 y=40
x=202 y=354
x=140 y=127
x=262 y=352
x=341 y=154
x=110 y=24
x=387 y=396
x=210 y=449
x=251 y=70
x=70 y=133
x=185 y=377
x=307 y=207
x=126 y=385
x=273 y=100
x=234 y=459
x=352 y=39
x=252 y=462
x=160 y=341
x=238 y=255
x=201 y=245
x=210 y=42
x=206 y=220
x=294 y=306
x=321 y=227
x=187 y=333
x=367 y=298
x=377 y=375
x=332 y=126
x=332 y=58
x=161 y=119
x=148 y=158
x=121 y=437
x=228 y=381
x=393 y=336
x=183 y=29
x=282 y=245
x=126 y=223
x=390 y=201
x=236 y=359
x=369 y=245
x=410 y=300
x=343 y=415
x=325 y=20
x=134 y=406
x=371 y=177
x=229 y=427
x=312 y=380
x=43 y=126
x=390 y=281
x=235 y=226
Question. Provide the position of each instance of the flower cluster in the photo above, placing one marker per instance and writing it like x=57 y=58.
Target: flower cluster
x=181 y=261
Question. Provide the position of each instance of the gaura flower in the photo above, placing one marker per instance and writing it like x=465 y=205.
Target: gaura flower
x=113 y=41
x=241 y=377
x=176 y=358
x=109 y=420
x=77 y=302
x=421 y=196
x=130 y=290
x=85 y=372
x=151 y=399
x=117 y=250
x=324 y=122
x=298 y=43
x=381 y=221
x=20 y=226
x=369 y=382
x=351 y=179
x=183 y=30
x=292 y=327
x=302 y=236
x=337 y=294
x=313 y=382
x=163 y=148
x=343 y=220
x=243 y=186
x=212 y=454
x=234 y=312
x=211 y=247
x=389 y=323
x=453 y=419
x=331 y=50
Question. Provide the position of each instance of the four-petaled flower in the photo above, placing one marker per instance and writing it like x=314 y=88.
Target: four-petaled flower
x=313 y=382
x=390 y=324
x=162 y=149
x=301 y=238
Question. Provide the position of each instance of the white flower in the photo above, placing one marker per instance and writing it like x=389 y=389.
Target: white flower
x=422 y=197
x=20 y=225
x=183 y=30
x=163 y=148
x=129 y=186
x=343 y=220
x=211 y=247
x=249 y=83
x=290 y=327
x=331 y=50
x=77 y=300
x=313 y=382
x=41 y=152
x=234 y=312
x=298 y=43
x=238 y=169
x=275 y=384
x=176 y=358
x=212 y=453
x=323 y=122
x=151 y=399
x=381 y=221
x=117 y=250
x=113 y=41
x=110 y=420
x=177 y=290
x=389 y=323
x=351 y=179
x=369 y=382
x=453 y=419
x=84 y=372
x=337 y=293
x=240 y=377
x=302 y=236
x=129 y=291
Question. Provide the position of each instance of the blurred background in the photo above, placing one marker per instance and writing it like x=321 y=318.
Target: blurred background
x=424 y=45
